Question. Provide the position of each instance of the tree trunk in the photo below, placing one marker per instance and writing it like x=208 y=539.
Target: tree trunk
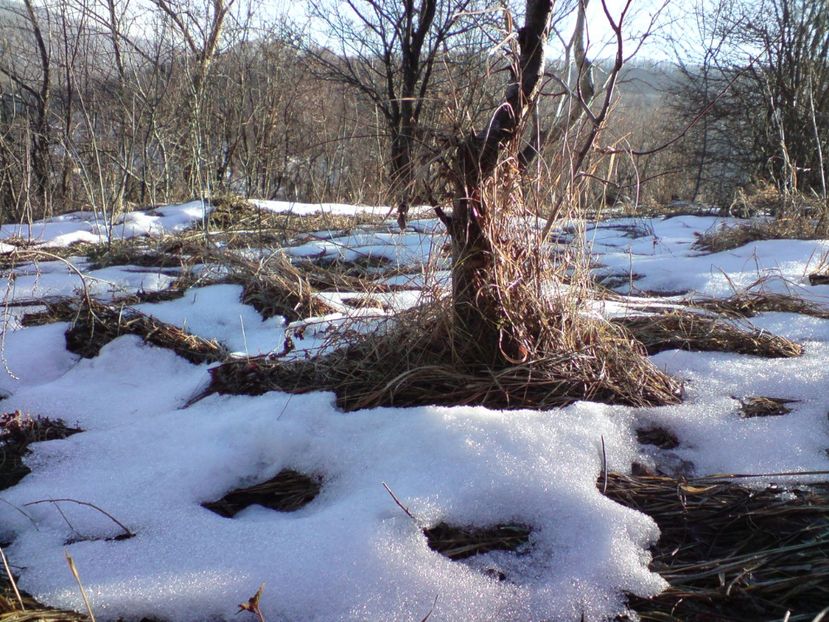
x=477 y=299
x=402 y=169
x=41 y=135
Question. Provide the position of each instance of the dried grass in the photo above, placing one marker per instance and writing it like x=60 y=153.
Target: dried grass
x=510 y=345
x=18 y=606
x=35 y=612
x=684 y=330
x=66 y=309
x=462 y=542
x=730 y=552
x=729 y=237
x=345 y=277
x=288 y=491
x=759 y=406
x=95 y=324
x=17 y=432
x=749 y=303
x=238 y=223
x=764 y=198
x=274 y=286
x=412 y=362
x=361 y=273
x=659 y=437
x=162 y=253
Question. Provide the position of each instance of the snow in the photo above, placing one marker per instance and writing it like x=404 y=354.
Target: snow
x=216 y=312
x=352 y=541
x=34 y=356
x=74 y=227
x=411 y=249
x=128 y=380
x=150 y=457
x=664 y=258
x=306 y=209
x=51 y=279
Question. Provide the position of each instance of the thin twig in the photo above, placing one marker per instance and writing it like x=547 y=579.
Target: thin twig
x=398 y=502
x=604 y=467
x=429 y=615
x=13 y=506
x=127 y=532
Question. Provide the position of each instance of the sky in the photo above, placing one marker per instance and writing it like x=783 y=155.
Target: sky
x=642 y=15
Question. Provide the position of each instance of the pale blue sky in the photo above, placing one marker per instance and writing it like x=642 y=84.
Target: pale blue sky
x=637 y=22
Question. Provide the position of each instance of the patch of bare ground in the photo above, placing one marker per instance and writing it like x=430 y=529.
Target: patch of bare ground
x=288 y=491
x=658 y=437
x=761 y=406
x=17 y=432
x=458 y=542
x=684 y=330
x=730 y=552
x=95 y=324
x=612 y=281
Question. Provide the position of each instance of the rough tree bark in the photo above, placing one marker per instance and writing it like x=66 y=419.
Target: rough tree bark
x=477 y=311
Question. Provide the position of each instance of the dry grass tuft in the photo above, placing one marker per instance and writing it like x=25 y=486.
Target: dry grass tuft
x=66 y=309
x=287 y=492
x=35 y=612
x=164 y=253
x=228 y=208
x=766 y=199
x=345 y=277
x=461 y=542
x=61 y=310
x=95 y=324
x=274 y=286
x=729 y=237
x=683 y=330
x=750 y=303
x=239 y=223
x=731 y=552
x=500 y=341
x=17 y=432
x=362 y=267
x=411 y=362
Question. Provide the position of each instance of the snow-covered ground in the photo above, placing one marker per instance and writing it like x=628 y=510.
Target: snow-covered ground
x=150 y=460
x=92 y=227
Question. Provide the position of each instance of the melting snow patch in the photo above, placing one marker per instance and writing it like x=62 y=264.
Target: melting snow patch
x=351 y=554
